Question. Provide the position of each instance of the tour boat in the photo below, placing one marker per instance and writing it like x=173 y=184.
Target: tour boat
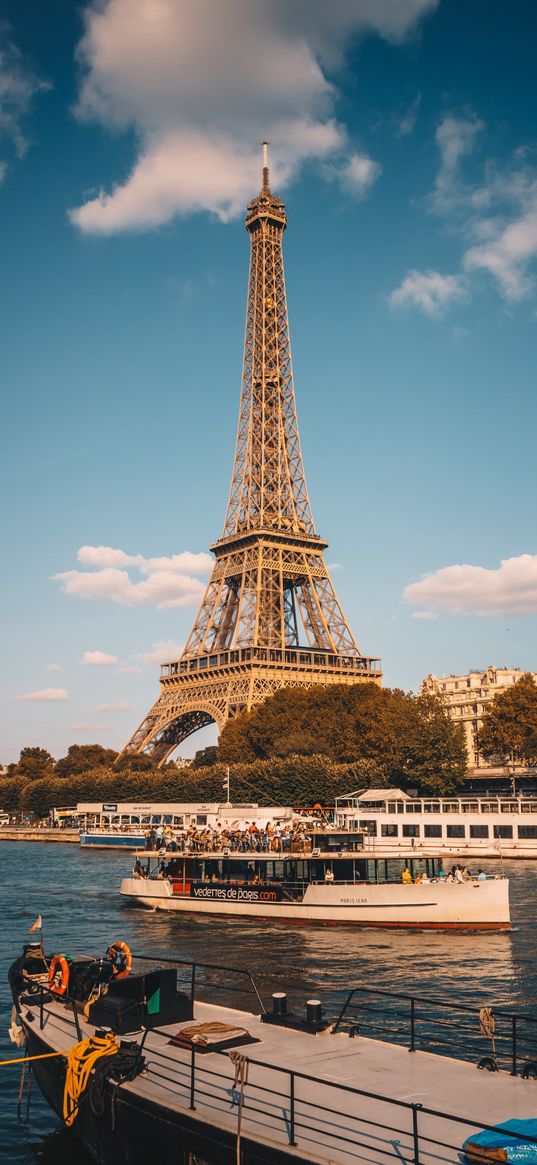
x=332 y=879
x=459 y=827
x=126 y=824
x=151 y=1058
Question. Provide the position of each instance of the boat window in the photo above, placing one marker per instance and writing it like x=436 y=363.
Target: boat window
x=433 y=830
x=390 y=807
x=411 y=830
x=201 y=819
x=509 y=807
x=400 y=806
x=527 y=831
x=455 y=831
x=413 y=806
x=470 y=807
x=479 y=831
x=178 y=820
x=146 y=820
x=450 y=807
x=369 y=827
x=489 y=807
x=167 y=820
x=390 y=830
x=432 y=806
x=156 y=818
x=503 y=831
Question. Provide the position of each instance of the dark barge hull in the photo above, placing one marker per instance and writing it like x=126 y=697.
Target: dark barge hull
x=135 y=1131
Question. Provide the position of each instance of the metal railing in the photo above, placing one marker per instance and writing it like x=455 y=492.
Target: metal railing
x=504 y=1039
x=398 y=1130
x=324 y=1125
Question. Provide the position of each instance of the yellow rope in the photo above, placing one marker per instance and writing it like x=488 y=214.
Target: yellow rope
x=80 y=1063
x=28 y=1059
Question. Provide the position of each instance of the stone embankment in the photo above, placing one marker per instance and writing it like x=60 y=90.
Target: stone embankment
x=16 y=833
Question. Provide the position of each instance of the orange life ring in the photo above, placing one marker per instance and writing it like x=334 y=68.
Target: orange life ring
x=121 y=957
x=58 y=975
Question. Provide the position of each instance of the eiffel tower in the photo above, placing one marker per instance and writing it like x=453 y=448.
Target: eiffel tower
x=269 y=617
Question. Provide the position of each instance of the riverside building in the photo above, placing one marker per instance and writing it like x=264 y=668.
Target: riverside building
x=468 y=696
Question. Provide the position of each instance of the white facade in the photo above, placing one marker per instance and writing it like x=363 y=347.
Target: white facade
x=467 y=697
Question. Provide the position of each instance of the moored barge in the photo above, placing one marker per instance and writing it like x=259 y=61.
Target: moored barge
x=143 y=1070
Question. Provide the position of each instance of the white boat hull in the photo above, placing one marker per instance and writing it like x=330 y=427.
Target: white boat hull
x=472 y=905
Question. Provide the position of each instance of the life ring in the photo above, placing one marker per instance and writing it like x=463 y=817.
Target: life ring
x=121 y=957
x=58 y=975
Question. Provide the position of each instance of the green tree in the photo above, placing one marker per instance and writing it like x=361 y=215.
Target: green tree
x=81 y=757
x=410 y=737
x=205 y=757
x=34 y=763
x=509 y=726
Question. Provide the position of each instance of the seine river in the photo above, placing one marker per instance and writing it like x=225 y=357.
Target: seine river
x=76 y=892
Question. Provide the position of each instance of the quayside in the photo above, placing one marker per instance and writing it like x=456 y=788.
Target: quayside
x=208 y=1079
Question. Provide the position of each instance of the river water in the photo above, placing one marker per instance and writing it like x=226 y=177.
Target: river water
x=76 y=892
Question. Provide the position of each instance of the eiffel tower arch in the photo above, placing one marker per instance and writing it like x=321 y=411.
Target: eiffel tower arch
x=269 y=617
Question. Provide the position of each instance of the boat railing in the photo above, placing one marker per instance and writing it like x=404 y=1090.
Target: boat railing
x=496 y=1038
x=315 y=1113
x=199 y=974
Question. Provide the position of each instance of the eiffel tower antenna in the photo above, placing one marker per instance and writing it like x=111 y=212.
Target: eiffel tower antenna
x=269 y=617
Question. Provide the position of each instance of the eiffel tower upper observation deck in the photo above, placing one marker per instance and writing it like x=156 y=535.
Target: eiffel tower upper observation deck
x=270 y=617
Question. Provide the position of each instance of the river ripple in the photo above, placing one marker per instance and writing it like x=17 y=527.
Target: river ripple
x=77 y=894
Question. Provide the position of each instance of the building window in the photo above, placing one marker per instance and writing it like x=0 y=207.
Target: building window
x=411 y=830
x=433 y=830
x=479 y=831
x=389 y=830
x=527 y=831
x=503 y=831
x=456 y=831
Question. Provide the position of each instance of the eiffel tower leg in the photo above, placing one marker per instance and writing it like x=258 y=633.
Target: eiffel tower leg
x=174 y=717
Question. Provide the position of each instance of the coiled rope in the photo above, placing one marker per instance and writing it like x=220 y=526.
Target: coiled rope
x=487 y=1024
x=80 y=1062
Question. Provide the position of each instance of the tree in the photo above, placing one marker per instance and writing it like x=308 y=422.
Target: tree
x=205 y=757
x=509 y=726
x=81 y=757
x=33 y=764
x=410 y=737
x=135 y=762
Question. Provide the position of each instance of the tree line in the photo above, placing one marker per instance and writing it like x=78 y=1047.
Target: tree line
x=300 y=747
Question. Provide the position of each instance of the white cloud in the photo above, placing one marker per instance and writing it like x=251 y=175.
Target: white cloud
x=165 y=582
x=18 y=87
x=165 y=651
x=456 y=139
x=200 y=84
x=46 y=695
x=496 y=215
x=510 y=589
x=507 y=254
x=98 y=659
x=119 y=706
x=53 y=667
x=429 y=291
x=358 y=173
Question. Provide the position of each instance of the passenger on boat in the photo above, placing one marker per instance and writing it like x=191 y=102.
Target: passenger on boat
x=137 y=869
x=481 y=876
x=329 y=875
x=406 y=877
x=418 y=879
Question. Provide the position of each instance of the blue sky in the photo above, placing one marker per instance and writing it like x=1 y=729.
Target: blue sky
x=404 y=143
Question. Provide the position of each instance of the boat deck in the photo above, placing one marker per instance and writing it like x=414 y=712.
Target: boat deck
x=330 y=1122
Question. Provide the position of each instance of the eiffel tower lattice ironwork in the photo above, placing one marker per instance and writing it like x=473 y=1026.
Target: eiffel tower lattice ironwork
x=270 y=617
